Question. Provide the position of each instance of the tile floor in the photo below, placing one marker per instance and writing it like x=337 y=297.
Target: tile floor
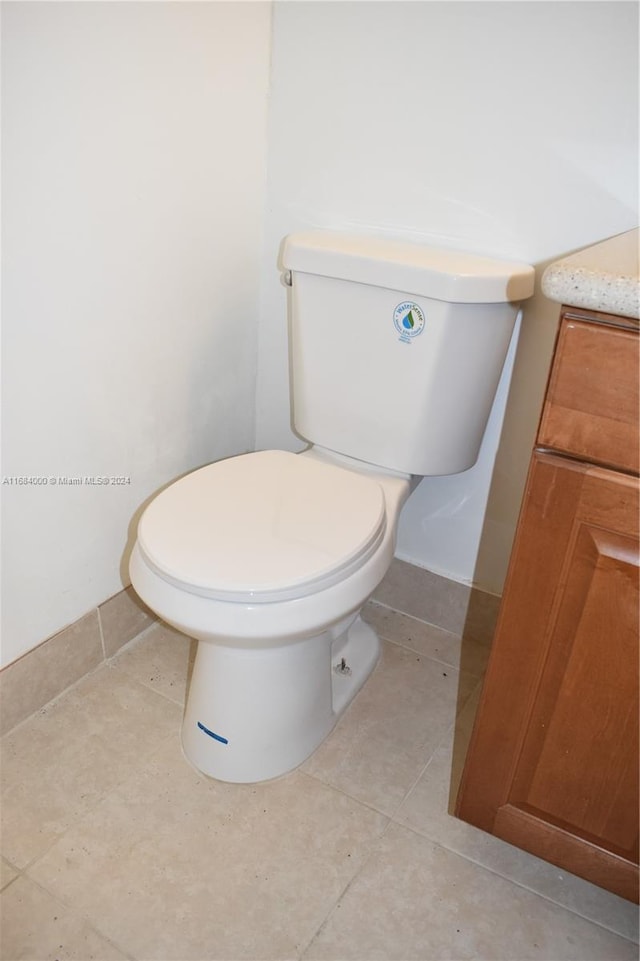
x=114 y=847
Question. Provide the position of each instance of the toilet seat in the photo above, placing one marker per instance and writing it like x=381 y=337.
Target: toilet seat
x=263 y=527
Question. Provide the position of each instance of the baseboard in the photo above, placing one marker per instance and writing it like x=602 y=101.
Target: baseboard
x=61 y=660
x=43 y=673
x=445 y=603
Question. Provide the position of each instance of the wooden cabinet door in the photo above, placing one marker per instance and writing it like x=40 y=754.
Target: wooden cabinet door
x=553 y=762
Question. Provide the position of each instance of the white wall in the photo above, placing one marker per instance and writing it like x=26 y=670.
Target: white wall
x=504 y=128
x=134 y=142
x=133 y=159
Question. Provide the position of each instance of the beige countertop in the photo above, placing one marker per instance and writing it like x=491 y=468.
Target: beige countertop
x=602 y=277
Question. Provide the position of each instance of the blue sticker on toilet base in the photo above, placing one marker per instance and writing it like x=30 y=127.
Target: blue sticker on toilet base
x=216 y=737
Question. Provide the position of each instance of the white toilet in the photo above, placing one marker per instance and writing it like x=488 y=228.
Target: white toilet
x=267 y=558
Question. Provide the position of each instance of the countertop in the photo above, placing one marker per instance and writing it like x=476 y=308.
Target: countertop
x=602 y=277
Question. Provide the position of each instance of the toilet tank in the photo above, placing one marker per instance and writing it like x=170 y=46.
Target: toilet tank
x=396 y=349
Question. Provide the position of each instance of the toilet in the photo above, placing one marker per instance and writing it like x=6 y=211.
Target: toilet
x=267 y=558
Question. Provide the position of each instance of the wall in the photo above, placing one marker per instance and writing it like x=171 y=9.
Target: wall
x=133 y=156
x=501 y=128
x=133 y=187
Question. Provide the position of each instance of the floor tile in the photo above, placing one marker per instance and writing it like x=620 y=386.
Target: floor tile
x=173 y=865
x=126 y=848
x=36 y=927
x=389 y=732
x=428 y=809
x=414 y=900
x=427 y=639
x=162 y=659
x=63 y=760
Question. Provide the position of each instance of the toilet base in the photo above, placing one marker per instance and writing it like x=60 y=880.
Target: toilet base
x=254 y=714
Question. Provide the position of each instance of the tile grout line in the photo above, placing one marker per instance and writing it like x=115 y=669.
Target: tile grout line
x=517 y=884
x=374 y=842
x=100 y=629
x=68 y=906
x=349 y=883
x=412 y=617
x=438 y=627
x=132 y=640
x=13 y=880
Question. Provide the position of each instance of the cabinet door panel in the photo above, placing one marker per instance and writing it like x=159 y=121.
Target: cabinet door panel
x=588 y=781
x=553 y=763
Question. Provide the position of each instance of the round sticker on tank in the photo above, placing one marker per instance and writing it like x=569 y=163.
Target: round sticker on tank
x=408 y=320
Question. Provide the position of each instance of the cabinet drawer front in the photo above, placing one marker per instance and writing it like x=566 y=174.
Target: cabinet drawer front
x=591 y=408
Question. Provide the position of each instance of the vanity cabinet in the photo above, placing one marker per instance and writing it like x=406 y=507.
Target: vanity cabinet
x=553 y=762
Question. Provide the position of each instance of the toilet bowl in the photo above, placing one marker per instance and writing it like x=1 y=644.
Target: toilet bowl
x=267 y=559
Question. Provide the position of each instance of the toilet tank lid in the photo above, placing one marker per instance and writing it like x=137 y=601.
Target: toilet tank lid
x=449 y=275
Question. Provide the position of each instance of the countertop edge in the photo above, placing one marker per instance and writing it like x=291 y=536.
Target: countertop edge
x=576 y=286
x=603 y=277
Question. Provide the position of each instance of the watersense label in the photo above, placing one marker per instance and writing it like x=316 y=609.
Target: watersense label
x=408 y=320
